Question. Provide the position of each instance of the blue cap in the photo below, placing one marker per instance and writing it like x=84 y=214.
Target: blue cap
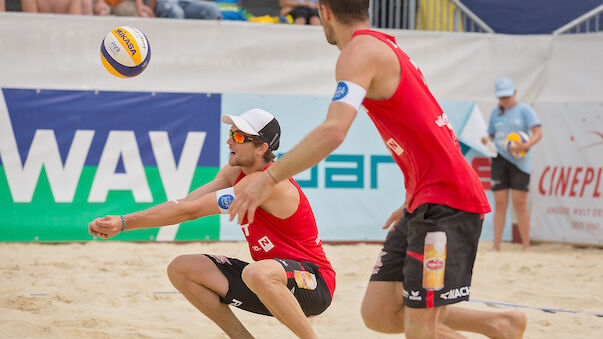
x=504 y=88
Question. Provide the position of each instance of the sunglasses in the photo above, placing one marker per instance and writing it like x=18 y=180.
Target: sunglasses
x=240 y=138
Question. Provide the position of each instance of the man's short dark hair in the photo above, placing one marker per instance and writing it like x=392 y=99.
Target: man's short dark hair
x=348 y=11
x=268 y=155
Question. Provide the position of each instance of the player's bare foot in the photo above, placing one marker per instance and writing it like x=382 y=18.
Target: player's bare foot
x=511 y=325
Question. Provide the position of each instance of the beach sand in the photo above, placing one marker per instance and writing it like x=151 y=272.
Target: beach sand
x=120 y=290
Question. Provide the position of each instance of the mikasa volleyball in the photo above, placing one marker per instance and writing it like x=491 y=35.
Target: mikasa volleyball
x=125 y=52
x=518 y=137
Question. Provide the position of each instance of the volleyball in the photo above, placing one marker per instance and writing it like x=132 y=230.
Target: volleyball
x=516 y=137
x=125 y=52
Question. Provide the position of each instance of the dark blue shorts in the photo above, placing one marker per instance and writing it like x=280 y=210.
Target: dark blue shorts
x=505 y=175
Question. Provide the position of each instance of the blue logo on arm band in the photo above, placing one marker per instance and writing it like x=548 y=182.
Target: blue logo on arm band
x=225 y=201
x=341 y=91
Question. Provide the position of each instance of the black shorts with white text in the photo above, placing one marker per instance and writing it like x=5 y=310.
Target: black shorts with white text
x=303 y=280
x=402 y=257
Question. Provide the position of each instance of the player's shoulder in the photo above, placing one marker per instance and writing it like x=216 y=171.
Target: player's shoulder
x=359 y=54
x=360 y=46
x=229 y=173
x=525 y=108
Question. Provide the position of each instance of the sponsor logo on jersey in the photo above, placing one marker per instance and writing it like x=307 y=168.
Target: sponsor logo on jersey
x=394 y=146
x=266 y=244
x=245 y=229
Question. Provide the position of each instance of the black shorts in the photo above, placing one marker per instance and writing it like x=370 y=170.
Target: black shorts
x=303 y=12
x=304 y=281
x=505 y=175
x=402 y=257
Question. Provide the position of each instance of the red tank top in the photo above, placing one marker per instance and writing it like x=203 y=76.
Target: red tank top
x=421 y=140
x=295 y=237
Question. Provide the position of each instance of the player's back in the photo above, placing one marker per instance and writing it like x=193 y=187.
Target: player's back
x=422 y=142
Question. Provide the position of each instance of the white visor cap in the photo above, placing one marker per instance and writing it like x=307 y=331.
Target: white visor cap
x=256 y=121
x=250 y=122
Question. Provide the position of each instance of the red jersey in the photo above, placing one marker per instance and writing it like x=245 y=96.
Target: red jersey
x=295 y=237
x=420 y=139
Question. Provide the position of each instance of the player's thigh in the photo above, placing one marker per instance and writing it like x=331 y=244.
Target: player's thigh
x=382 y=298
x=201 y=270
x=264 y=270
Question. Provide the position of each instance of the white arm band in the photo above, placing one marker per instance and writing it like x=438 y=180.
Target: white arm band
x=225 y=197
x=350 y=93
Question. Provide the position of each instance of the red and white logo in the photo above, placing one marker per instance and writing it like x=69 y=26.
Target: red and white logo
x=266 y=244
x=394 y=146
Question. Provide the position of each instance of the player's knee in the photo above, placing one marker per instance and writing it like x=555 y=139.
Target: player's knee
x=370 y=318
x=377 y=320
x=181 y=266
x=175 y=267
x=419 y=326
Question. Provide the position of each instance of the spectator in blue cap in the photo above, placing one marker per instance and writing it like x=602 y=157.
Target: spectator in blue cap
x=511 y=167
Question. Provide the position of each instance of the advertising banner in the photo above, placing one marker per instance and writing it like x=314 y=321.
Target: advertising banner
x=567 y=179
x=68 y=157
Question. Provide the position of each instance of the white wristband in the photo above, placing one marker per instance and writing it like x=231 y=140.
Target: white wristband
x=350 y=93
x=225 y=197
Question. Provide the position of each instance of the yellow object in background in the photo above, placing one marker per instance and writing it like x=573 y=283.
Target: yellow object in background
x=437 y=15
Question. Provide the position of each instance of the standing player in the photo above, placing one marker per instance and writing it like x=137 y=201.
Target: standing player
x=291 y=278
x=427 y=259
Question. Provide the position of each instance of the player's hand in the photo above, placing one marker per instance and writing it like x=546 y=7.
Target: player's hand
x=106 y=227
x=515 y=147
x=247 y=201
x=394 y=217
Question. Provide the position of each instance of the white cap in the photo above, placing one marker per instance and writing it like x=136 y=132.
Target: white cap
x=257 y=122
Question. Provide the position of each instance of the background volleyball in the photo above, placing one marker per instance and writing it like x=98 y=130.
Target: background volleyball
x=516 y=137
x=125 y=52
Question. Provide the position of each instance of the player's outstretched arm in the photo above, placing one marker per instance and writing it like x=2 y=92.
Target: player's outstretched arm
x=197 y=204
x=167 y=213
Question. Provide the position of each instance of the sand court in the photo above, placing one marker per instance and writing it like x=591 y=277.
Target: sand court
x=121 y=290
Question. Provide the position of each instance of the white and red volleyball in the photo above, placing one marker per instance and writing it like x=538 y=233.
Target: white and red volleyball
x=125 y=52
